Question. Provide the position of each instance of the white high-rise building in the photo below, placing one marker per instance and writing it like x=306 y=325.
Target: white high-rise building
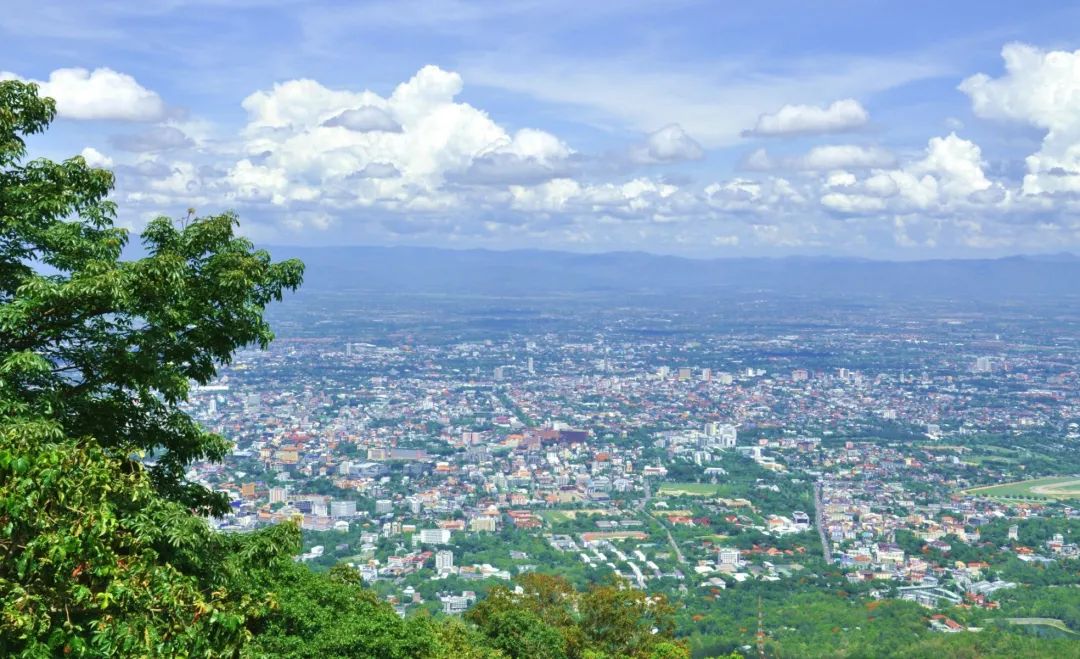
x=729 y=556
x=342 y=508
x=435 y=536
x=444 y=561
x=532 y=369
x=722 y=435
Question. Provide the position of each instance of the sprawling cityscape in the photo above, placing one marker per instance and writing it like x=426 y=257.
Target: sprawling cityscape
x=714 y=450
x=457 y=329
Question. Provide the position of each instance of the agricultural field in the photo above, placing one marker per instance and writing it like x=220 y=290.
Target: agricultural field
x=1050 y=487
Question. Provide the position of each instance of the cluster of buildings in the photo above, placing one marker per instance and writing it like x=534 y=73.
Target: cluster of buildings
x=408 y=449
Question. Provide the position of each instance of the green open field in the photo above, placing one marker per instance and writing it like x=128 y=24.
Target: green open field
x=689 y=489
x=1049 y=487
x=556 y=516
x=714 y=538
x=982 y=459
x=1052 y=623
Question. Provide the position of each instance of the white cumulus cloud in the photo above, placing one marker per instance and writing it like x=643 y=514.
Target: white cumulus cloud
x=98 y=94
x=949 y=176
x=1040 y=88
x=306 y=141
x=667 y=145
x=839 y=116
x=824 y=158
x=95 y=158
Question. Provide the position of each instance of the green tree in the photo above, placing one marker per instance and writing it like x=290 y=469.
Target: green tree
x=522 y=634
x=100 y=552
x=331 y=616
x=106 y=347
x=607 y=620
x=622 y=621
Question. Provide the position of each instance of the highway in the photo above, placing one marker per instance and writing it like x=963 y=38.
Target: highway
x=819 y=517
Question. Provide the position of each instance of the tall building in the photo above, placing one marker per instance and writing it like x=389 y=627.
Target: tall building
x=685 y=372
x=729 y=556
x=721 y=435
x=483 y=523
x=435 y=536
x=706 y=375
x=982 y=365
x=342 y=508
x=531 y=367
x=444 y=561
x=383 y=506
x=499 y=373
x=279 y=494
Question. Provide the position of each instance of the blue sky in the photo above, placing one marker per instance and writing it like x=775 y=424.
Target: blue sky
x=884 y=130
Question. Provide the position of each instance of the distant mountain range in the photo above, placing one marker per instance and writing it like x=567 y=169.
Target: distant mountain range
x=532 y=272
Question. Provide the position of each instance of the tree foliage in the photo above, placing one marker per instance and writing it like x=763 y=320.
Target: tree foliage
x=105 y=347
x=100 y=552
x=546 y=617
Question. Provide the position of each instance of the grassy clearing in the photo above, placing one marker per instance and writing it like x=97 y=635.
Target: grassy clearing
x=1042 y=622
x=556 y=516
x=689 y=489
x=714 y=538
x=980 y=459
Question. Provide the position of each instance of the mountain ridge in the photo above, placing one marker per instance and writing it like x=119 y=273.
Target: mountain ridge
x=411 y=269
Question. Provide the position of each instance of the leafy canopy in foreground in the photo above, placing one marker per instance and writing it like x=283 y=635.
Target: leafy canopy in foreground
x=104 y=347
x=100 y=554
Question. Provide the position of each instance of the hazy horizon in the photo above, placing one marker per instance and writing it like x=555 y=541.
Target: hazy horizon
x=914 y=258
